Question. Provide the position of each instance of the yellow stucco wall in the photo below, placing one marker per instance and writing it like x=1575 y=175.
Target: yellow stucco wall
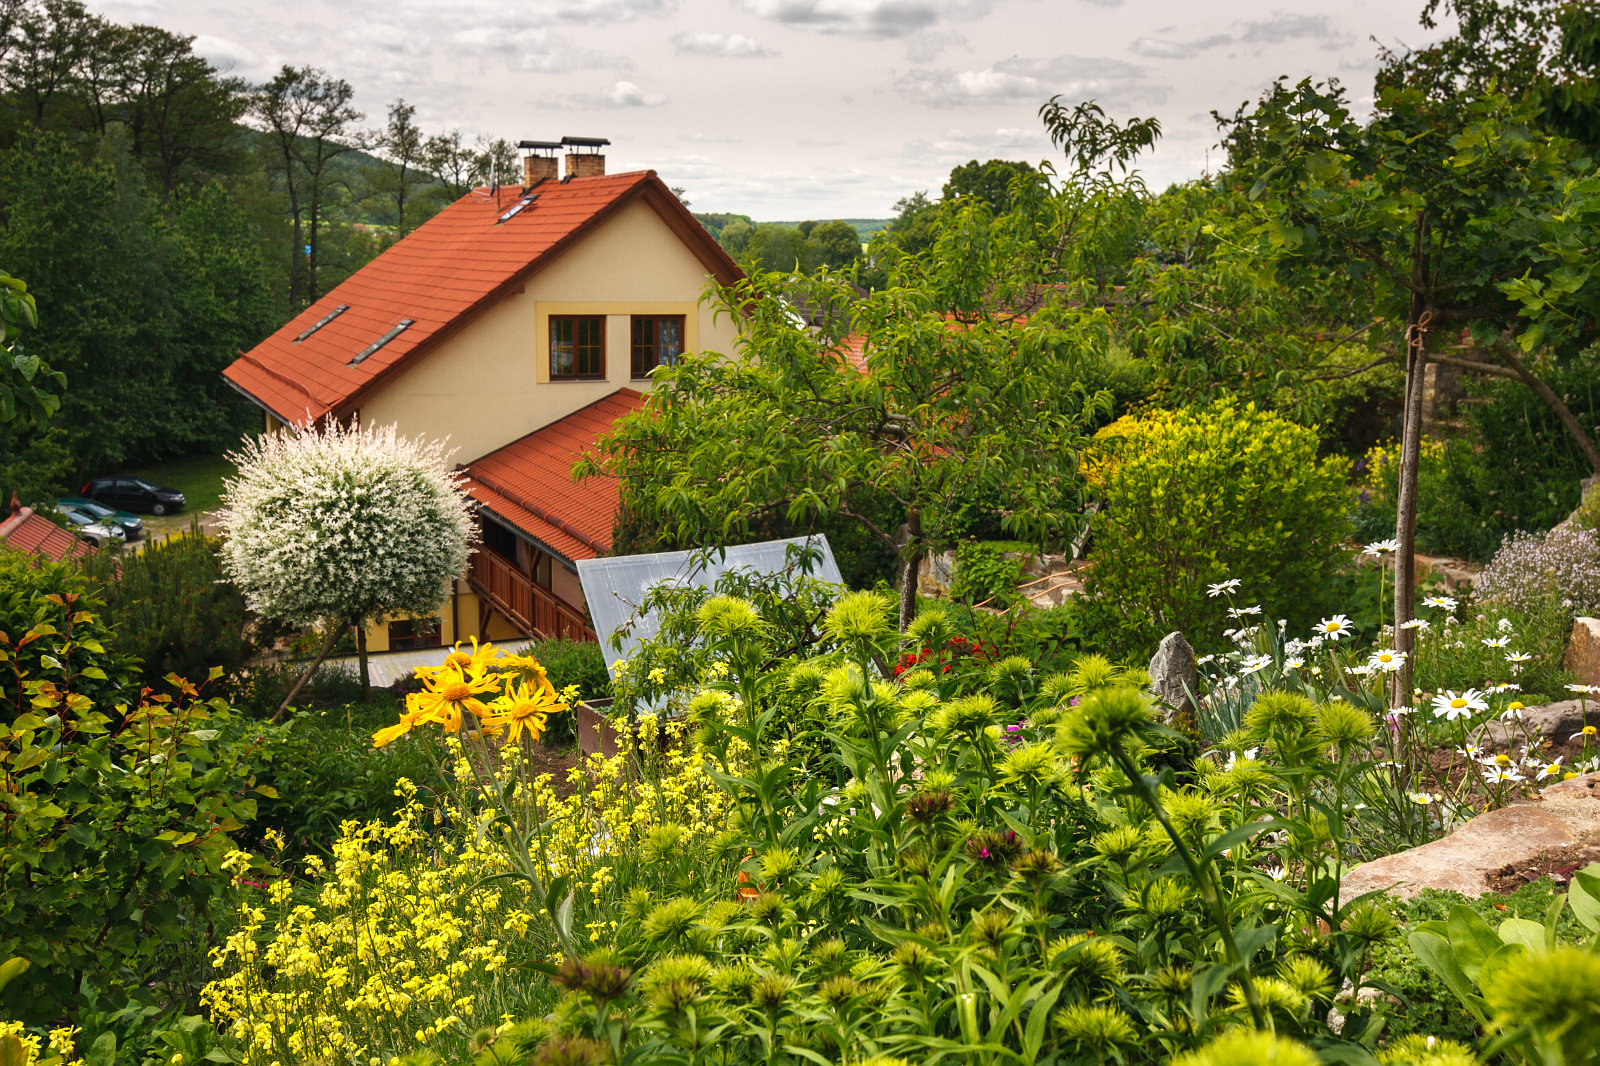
x=489 y=383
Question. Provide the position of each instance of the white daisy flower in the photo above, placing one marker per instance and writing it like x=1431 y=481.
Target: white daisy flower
x=1447 y=603
x=1387 y=660
x=1495 y=642
x=1293 y=662
x=1421 y=799
x=1497 y=775
x=1255 y=663
x=1334 y=628
x=1381 y=547
x=1223 y=586
x=1552 y=769
x=1518 y=657
x=1416 y=623
x=1450 y=706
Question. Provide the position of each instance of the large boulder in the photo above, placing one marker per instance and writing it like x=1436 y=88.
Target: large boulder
x=1583 y=651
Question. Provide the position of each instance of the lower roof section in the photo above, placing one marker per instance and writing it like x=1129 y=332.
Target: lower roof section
x=528 y=483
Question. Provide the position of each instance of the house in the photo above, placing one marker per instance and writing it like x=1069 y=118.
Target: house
x=519 y=323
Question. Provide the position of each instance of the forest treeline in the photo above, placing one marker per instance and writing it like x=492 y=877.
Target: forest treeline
x=167 y=215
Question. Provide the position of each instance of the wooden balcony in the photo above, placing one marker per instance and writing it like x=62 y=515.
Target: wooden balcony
x=532 y=608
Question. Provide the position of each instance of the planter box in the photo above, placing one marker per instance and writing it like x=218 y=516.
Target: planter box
x=597 y=736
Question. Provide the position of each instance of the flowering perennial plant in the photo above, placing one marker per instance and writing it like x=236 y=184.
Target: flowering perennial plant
x=1406 y=793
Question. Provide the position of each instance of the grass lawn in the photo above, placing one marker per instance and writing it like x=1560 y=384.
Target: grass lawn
x=198 y=477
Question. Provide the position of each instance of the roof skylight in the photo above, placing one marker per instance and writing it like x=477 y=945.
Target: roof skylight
x=323 y=321
x=515 y=211
x=381 y=341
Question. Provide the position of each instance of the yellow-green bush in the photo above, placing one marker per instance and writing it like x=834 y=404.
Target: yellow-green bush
x=1191 y=498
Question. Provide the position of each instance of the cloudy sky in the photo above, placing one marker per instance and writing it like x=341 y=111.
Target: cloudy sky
x=791 y=109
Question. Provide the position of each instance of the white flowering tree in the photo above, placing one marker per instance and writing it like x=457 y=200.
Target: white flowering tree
x=342 y=526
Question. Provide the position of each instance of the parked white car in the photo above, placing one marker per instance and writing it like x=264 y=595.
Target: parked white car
x=97 y=534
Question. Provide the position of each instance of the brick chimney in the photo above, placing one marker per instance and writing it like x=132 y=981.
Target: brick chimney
x=539 y=164
x=583 y=157
x=537 y=168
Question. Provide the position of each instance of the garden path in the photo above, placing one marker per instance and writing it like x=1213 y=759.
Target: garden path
x=387 y=667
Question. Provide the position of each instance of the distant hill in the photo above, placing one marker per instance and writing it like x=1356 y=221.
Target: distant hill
x=865 y=227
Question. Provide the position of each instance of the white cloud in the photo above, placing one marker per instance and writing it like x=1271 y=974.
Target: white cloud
x=1282 y=28
x=609 y=11
x=231 y=57
x=627 y=94
x=726 y=45
x=866 y=18
x=1033 y=80
x=930 y=44
x=1166 y=48
x=711 y=138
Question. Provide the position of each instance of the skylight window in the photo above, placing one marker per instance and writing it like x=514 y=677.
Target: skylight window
x=517 y=210
x=381 y=341
x=323 y=321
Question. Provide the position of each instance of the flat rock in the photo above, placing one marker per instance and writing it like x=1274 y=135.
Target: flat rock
x=1550 y=721
x=1563 y=814
x=1583 y=651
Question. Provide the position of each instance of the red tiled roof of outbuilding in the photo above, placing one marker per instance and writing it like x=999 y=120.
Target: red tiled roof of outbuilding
x=28 y=532
x=451 y=267
x=529 y=482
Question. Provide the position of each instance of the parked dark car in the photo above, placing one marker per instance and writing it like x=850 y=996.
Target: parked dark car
x=132 y=525
x=134 y=494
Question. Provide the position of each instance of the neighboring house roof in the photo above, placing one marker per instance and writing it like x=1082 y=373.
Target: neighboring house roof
x=450 y=268
x=528 y=483
x=28 y=532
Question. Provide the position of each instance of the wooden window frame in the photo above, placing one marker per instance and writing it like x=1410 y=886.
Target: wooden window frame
x=655 y=346
x=556 y=320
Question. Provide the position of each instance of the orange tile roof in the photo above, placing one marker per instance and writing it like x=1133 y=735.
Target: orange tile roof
x=28 y=532
x=454 y=265
x=529 y=482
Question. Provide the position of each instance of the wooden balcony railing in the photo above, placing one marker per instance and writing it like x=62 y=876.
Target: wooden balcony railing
x=533 y=608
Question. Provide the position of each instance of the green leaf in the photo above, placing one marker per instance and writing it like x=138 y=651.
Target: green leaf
x=103 y=1052
x=1436 y=955
x=1529 y=934
x=10 y=969
x=1583 y=896
x=1471 y=939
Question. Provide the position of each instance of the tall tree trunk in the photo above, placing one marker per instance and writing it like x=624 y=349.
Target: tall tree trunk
x=361 y=654
x=1405 y=532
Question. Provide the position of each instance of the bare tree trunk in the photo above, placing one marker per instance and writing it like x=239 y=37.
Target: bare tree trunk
x=333 y=638
x=1405 y=531
x=361 y=654
x=908 y=571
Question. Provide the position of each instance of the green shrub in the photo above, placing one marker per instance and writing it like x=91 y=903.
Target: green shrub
x=171 y=607
x=325 y=771
x=985 y=575
x=117 y=812
x=570 y=662
x=41 y=597
x=1194 y=497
